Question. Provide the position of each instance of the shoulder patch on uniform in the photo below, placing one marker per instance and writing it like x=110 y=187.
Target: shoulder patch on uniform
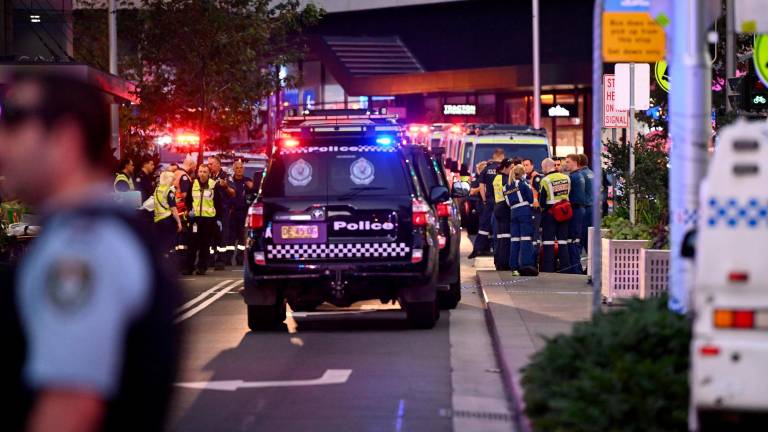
x=69 y=284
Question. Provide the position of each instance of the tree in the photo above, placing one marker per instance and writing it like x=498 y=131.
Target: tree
x=207 y=65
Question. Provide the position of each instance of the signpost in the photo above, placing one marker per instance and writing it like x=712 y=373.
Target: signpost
x=613 y=118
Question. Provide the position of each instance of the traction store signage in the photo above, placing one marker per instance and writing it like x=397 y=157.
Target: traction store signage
x=461 y=109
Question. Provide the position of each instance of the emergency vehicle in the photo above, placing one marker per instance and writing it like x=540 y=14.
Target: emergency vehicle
x=729 y=354
x=342 y=217
x=477 y=142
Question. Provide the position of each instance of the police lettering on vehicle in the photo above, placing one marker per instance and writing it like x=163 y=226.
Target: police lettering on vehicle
x=326 y=149
x=300 y=173
x=363 y=226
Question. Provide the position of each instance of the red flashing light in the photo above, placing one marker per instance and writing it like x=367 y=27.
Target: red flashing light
x=187 y=139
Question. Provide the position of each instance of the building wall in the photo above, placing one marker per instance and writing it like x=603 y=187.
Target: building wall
x=332 y=6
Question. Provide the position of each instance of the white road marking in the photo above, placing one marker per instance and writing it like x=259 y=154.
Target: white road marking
x=205 y=304
x=331 y=376
x=202 y=296
x=324 y=313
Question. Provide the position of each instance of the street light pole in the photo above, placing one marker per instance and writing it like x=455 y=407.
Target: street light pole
x=597 y=148
x=536 y=67
x=690 y=130
x=114 y=111
x=730 y=49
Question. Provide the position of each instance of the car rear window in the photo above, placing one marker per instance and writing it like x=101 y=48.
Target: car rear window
x=427 y=170
x=337 y=171
x=536 y=152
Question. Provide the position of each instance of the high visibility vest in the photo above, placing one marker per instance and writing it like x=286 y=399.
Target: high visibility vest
x=498 y=188
x=162 y=209
x=122 y=177
x=202 y=199
x=557 y=186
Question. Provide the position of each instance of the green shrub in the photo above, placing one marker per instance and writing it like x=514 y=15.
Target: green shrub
x=623 y=229
x=622 y=371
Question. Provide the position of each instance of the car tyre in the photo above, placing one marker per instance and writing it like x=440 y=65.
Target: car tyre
x=423 y=314
x=451 y=298
x=266 y=317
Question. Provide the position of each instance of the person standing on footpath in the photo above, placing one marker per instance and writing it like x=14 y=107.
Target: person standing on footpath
x=589 y=179
x=519 y=197
x=482 y=243
x=534 y=182
x=95 y=301
x=578 y=199
x=502 y=215
x=553 y=196
x=237 y=211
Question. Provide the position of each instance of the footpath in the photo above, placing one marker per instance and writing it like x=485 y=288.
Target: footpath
x=522 y=312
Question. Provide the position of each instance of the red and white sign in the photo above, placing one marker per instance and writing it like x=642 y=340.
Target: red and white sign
x=612 y=118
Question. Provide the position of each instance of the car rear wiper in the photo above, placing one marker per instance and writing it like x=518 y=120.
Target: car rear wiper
x=357 y=190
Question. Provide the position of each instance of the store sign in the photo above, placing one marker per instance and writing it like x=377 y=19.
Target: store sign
x=612 y=117
x=464 y=109
x=560 y=110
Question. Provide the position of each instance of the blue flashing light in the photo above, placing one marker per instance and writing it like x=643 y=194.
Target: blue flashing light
x=385 y=141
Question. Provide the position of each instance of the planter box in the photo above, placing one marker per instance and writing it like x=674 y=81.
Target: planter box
x=621 y=270
x=590 y=234
x=654 y=264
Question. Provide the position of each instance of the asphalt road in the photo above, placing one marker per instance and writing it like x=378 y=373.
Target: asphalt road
x=356 y=369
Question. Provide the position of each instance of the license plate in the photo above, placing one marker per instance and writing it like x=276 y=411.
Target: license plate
x=289 y=232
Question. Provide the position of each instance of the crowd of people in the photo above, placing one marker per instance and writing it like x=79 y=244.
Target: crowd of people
x=531 y=221
x=198 y=211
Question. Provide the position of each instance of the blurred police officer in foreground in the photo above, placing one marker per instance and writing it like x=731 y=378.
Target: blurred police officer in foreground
x=94 y=303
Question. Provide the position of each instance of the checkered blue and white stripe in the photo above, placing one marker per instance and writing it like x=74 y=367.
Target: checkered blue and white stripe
x=336 y=250
x=731 y=213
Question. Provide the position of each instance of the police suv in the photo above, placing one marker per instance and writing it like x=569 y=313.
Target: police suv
x=341 y=217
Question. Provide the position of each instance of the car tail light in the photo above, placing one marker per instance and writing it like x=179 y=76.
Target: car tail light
x=709 y=350
x=416 y=256
x=420 y=213
x=738 y=277
x=734 y=319
x=444 y=209
x=258 y=258
x=256 y=216
x=441 y=241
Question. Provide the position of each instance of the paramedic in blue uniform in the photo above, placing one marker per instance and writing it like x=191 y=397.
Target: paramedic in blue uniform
x=520 y=198
x=501 y=215
x=237 y=210
x=482 y=243
x=555 y=187
x=94 y=302
x=578 y=199
x=534 y=182
x=589 y=178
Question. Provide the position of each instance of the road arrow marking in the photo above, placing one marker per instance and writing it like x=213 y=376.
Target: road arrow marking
x=331 y=376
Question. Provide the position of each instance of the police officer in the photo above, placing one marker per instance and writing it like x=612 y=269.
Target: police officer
x=534 y=182
x=93 y=297
x=482 y=243
x=218 y=175
x=578 y=199
x=202 y=203
x=237 y=210
x=166 y=218
x=589 y=178
x=145 y=181
x=124 y=176
x=519 y=197
x=502 y=216
x=555 y=187
x=182 y=183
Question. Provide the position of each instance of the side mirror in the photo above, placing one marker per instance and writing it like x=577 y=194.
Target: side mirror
x=689 y=244
x=439 y=194
x=460 y=189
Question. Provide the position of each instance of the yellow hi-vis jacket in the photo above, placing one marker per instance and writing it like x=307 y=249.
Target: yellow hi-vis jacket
x=202 y=199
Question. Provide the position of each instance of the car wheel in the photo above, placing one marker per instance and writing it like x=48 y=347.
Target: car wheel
x=266 y=317
x=451 y=298
x=422 y=315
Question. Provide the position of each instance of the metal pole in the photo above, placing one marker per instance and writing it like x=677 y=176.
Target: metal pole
x=597 y=149
x=690 y=130
x=536 y=68
x=730 y=49
x=114 y=110
x=631 y=140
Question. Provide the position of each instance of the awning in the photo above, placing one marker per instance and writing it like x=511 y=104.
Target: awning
x=120 y=90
